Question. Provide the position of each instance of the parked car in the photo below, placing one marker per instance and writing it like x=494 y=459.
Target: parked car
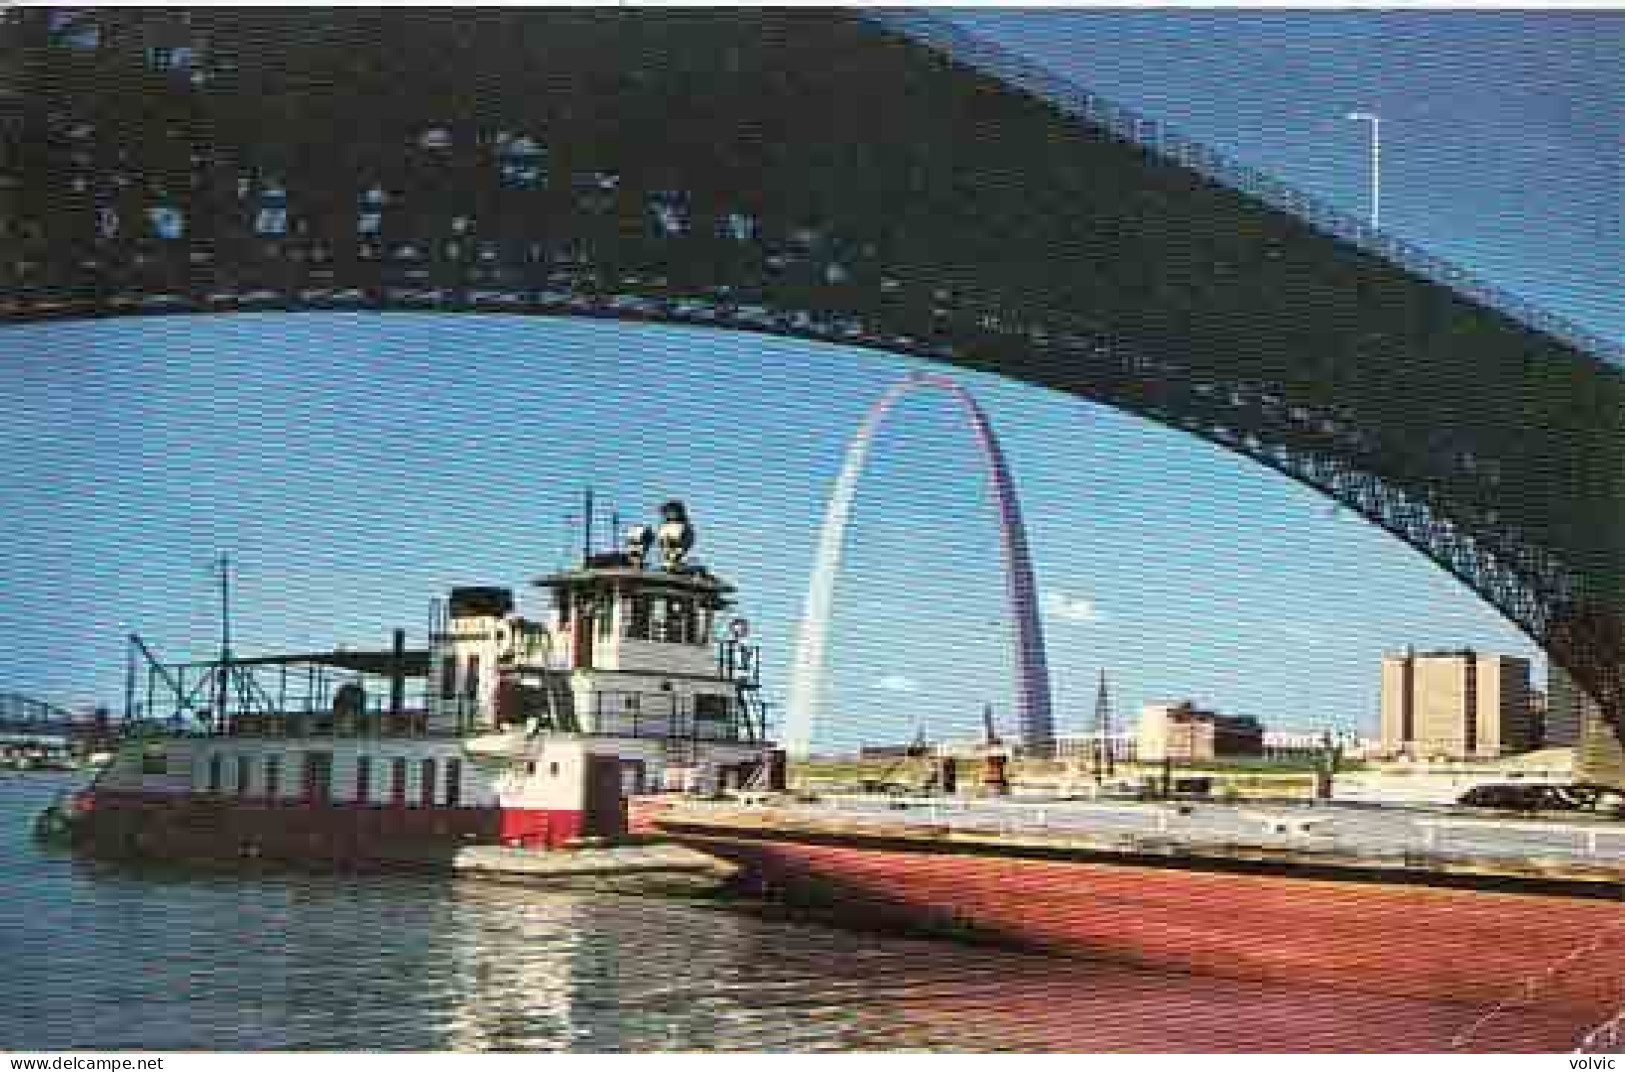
x=1582 y=797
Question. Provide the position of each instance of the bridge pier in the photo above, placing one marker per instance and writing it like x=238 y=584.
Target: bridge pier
x=1600 y=756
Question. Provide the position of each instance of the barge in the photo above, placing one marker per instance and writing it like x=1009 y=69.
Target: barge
x=1500 y=961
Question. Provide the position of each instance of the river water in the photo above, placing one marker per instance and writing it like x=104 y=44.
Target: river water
x=102 y=956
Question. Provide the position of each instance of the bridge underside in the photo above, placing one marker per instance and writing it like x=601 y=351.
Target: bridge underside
x=825 y=176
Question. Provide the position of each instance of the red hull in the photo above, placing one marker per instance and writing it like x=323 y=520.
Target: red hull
x=1510 y=970
x=201 y=827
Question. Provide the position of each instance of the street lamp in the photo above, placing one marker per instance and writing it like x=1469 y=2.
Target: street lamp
x=1376 y=163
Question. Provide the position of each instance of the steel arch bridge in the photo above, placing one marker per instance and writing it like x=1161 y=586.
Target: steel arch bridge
x=1034 y=717
x=877 y=180
x=23 y=717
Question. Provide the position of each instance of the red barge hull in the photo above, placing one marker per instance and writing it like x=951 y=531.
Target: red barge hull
x=160 y=826
x=1498 y=970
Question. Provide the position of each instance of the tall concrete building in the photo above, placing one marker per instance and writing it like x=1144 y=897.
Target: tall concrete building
x=1455 y=705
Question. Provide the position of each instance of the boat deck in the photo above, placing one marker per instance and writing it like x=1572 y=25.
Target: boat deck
x=1403 y=844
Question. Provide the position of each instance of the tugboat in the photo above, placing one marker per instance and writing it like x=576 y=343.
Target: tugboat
x=505 y=729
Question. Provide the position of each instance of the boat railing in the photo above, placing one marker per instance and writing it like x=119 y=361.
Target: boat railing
x=405 y=723
x=1303 y=829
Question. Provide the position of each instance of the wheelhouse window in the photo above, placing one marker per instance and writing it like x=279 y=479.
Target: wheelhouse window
x=661 y=620
x=637 y=618
x=664 y=619
x=711 y=708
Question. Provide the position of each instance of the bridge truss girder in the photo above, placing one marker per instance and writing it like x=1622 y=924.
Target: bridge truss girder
x=819 y=176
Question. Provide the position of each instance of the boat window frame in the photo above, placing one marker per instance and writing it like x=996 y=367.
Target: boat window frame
x=397 y=781
x=428 y=773
x=362 y=788
x=273 y=777
x=454 y=782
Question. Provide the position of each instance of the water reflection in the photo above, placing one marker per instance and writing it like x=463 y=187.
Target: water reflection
x=102 y=957
x=123 y=958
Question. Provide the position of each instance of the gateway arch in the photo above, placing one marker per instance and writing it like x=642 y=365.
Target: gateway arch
x=810 y=671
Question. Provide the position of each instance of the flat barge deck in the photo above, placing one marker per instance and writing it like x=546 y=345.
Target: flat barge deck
x=1530 y=952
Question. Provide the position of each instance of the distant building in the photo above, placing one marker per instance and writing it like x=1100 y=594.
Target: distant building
x=891 y=751
x=1287 y=744
x=1455 y=705
x=1184 y=733
x=1119 y=747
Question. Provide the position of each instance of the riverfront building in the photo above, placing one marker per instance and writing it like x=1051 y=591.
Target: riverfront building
x=1185 y=733
x=1294 y=745
x=1089 y=747
x=1455 y=705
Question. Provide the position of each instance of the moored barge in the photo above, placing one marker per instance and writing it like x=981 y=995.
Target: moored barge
x=1527 y=963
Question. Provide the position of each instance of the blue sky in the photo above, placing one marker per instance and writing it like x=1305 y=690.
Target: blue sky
x=357 y=464
x=1501 y=130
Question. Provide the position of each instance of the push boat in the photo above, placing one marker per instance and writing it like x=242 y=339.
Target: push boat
x=503 y=730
